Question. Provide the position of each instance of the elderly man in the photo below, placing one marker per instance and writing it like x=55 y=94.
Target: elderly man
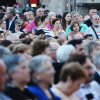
x=3 y=77
x=75 y=17
x=95 y=28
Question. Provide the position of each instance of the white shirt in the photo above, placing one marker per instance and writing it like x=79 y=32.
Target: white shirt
x=85 y=90
x=90 y=31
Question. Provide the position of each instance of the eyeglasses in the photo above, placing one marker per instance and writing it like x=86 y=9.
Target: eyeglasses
x=19 y=25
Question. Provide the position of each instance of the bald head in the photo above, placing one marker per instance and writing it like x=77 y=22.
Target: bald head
x=3 y=75
x=96 y=20
x=39 y=12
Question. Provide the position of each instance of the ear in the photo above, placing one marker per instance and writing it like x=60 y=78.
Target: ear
x=37 y=76
x=12 y=74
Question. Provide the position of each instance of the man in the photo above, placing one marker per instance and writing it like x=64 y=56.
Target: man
x=91 y=13
x=3 y=77
x=95 y=28
x=52 y=49
x=96 y=83
x=39 y=12
x=77 y=43
x=10 y=21
x=85 y=92
x=75 y=17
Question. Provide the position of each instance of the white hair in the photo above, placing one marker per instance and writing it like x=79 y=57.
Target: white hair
x=64 y=52
x=51 y=13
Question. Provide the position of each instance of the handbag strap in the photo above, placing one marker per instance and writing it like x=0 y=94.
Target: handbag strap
x=95 y=32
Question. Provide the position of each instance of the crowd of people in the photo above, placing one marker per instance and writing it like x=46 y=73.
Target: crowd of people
x=45 y=56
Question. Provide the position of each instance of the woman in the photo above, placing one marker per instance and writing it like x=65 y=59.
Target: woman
x=2 y=25
x=75 y=28
x=19 y=76
x=42 y=73
x=56 y=24
x=43 y=26
x=66 y=20
x=37 y=23
x=23 y=50
x=71 y=77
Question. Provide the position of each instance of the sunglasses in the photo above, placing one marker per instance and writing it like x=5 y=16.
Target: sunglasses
x=19 y=25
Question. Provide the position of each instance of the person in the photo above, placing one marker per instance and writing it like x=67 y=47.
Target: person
x=10 y=21
x=42 y=73
x=71 y=77
x=96 y=82
x=85 y=92
x=75 y=17
x=45 y=21
x=19 y=76
x=15 y=36
x=3 y=77
x=81 y=19
x=79 y=47
x=2 y=25
x=88 y=36
x=56 y=24
x=39 y=12
x=92 y=12
x=37 y=23
x=40 y=47
x=66 y=20
x=91 y=49
x=62 y=54
x=75 y=29
x=23 y=50
x=53 y=46
x=95 y=28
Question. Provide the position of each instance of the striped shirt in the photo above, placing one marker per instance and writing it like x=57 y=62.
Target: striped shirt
x=45 y=29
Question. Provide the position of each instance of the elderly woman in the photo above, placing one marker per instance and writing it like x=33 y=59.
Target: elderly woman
x=42 y=73
x=19 y=76
x=71 y=77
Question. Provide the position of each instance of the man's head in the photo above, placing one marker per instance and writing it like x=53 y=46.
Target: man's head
x=92 y=12
x=77 y=43
x=95 y=20
x=11 y=13
x=39 y=12
x=3 y=75
x=53 y=48
x=86 y=64
x=75 y=16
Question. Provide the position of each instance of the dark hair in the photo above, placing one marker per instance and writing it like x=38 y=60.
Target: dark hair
x=75 y=42
x=2 y=15
x=43 y=17
x=74 y=70
x=6 y=43
x=22 y=36
x=27 y=41
x=56 y=19
x=81 y=59
x=37 y=19
x=23 y=17
x=85 y=36
x=64 y=21
x=12 y=11
x=38 y=32
x=38 y=47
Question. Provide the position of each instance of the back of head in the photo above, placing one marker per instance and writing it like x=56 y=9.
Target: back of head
x=72 y=70
x=64 y=52
x=75 y=42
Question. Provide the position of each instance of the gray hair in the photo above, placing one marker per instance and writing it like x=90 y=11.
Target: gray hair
x=60 y=32
x=72 y=13
x=96 y=60
x=4 y=51
x=18 y=21
x=12 y=62
x=36 y=65
x=12 y=10
x=64 y=52
x=90 y=47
